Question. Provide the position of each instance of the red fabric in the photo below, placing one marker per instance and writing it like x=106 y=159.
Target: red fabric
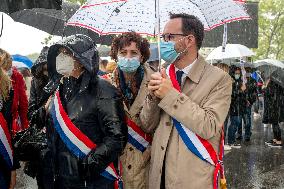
x=20 y=102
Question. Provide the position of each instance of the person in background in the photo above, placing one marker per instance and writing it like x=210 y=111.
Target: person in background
x=237 y=108
x=102 y=68
x=20 y=99
x=273 y=111
x=36 y=111
x=250 y=97
x=226 y=69
x=153 y=61
x=8 y=162
x=131 y=52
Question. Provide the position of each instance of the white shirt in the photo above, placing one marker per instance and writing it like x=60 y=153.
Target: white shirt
x=185 y=71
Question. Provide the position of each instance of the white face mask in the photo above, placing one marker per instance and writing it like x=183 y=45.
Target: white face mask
x=64 y=64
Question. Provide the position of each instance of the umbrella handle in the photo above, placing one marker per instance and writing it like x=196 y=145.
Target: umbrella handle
x=157 y=14
x=2 y=25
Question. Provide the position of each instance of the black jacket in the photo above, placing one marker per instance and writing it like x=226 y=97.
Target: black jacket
x=95 y=107
x=238 y=102
x=251 y=91
x=273 y=104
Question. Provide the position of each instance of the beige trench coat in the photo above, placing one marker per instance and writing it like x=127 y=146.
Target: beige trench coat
x=135 y=164
x=202 y=107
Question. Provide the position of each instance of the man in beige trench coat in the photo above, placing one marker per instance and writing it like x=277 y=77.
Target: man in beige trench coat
x=201 y=106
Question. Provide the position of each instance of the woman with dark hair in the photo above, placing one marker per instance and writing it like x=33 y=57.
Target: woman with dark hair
x=8 y=163
x=131 y=51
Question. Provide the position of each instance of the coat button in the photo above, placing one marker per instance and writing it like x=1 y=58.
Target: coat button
x=131 y=149
x=162 y=147
x=129 y=166
x=175 y=106
x=168 y=123
x=182 y=98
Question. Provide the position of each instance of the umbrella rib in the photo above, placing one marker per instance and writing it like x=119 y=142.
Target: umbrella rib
x=111 y=16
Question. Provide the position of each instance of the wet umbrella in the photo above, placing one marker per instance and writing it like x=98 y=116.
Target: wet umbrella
x=21 y=61
x=278 y=76
x=10 y=6
x=53 y=22
x=231 y=51
x=148 y=16
x=112 y=17
x=273 y=69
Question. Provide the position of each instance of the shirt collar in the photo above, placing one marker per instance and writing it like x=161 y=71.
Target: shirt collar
x=187 y=68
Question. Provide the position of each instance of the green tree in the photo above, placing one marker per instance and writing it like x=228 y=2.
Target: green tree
x=80 y=2
x=271 y=29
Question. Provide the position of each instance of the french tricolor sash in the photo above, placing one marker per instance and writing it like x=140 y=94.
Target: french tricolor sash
x=76 y=141
x=137 y=137
x=5 y=148
x=199 y=146
x=5 y=143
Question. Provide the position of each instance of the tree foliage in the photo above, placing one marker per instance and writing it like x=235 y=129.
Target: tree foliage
x=80 y=2
x=271 y=29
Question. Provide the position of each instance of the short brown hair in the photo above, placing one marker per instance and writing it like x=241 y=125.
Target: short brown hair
x=125 y=40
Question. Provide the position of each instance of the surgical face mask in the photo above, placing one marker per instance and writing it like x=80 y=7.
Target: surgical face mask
x=128 y=65
x=168 y=52
x=237 y=76
x=64 y=64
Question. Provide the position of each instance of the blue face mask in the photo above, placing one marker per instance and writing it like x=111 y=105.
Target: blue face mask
x=128 y=65
x=168 y=52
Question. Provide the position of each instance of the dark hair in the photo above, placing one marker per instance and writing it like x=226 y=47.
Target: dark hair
x=125 y=40
x=191 y=25
x=104 y=62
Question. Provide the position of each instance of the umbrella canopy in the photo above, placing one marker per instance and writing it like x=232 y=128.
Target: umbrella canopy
x=10 y=6
x=278 y=76
x=270 y=69
x=231 y=51
x=269 y=63
x=54 y=21
x=113 y=17
x=20 y=61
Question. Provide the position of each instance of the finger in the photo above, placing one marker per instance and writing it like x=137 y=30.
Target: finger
x=155 y=82
x=153 y=88
x=163 y=73
x=156 y=76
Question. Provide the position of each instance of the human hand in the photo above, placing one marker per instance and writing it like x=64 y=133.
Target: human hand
x=13 y=180
x=165 y=85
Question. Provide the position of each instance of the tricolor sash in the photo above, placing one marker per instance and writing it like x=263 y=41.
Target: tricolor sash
x=199 y=146
x=5 y=143
x=76 y=141
x=137 y=137
x=5 y=148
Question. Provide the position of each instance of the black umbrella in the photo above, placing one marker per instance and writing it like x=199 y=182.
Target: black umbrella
x=53 y=22
x=278 y=76
x=10 y=6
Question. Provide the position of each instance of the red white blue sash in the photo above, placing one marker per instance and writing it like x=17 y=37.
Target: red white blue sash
x=137 y=137
x=5 y=142
x=197 y=145
x=75 y=140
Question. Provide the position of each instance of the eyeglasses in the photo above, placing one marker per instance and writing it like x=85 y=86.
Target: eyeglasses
x=171 y=36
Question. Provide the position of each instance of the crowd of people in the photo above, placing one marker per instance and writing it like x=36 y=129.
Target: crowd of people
x=128 y=123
